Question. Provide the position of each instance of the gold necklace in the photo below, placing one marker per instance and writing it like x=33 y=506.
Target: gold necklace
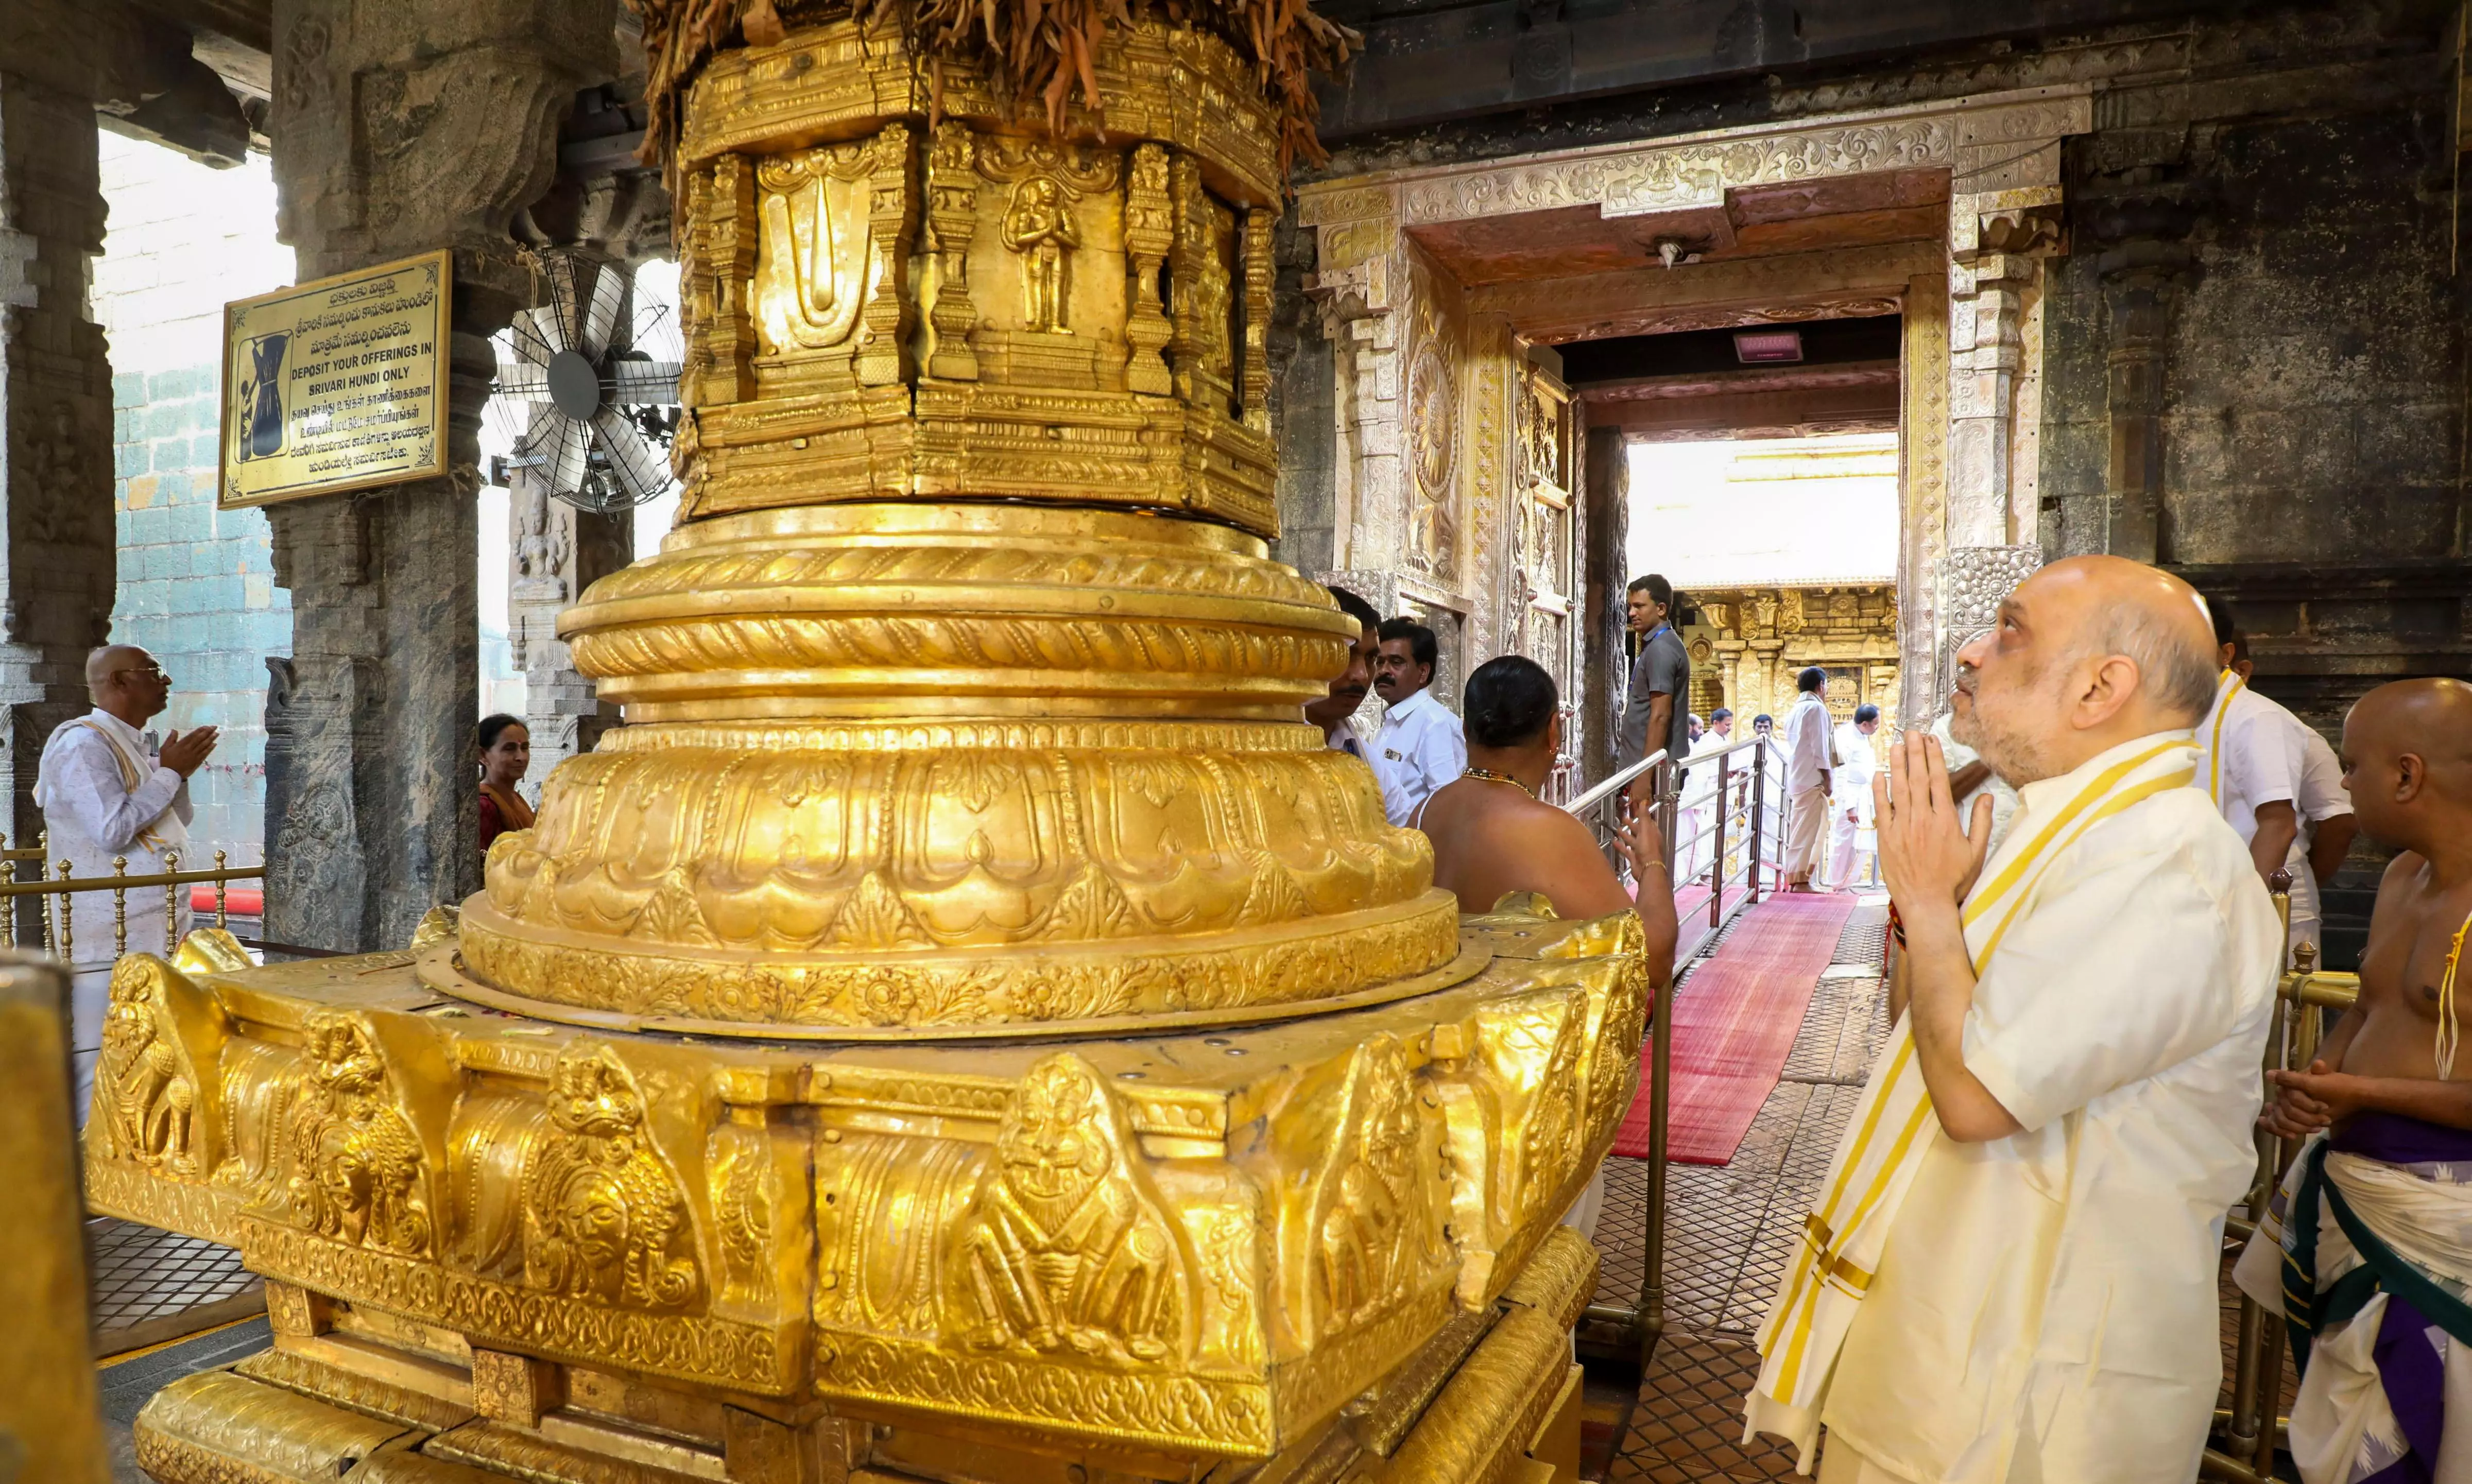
x=1490 y=777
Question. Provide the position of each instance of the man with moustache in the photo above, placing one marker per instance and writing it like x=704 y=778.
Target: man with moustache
x=1420 y=747
x=1335 y=714
x=2010 y=1273
x=2365 y=1248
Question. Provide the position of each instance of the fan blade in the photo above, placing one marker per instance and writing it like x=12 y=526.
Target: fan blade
x=537 y=335
x=522 y=383
x=644 y=382
x=601 y=319
x=639 y=471
x=564 y=305
x=568 y=445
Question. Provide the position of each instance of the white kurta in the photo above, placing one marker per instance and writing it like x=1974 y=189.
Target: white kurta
x=2045 y=1306
x=1849 y=839
x=105 y=796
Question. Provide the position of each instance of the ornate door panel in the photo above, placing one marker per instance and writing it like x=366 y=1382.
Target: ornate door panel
x=1543 y=552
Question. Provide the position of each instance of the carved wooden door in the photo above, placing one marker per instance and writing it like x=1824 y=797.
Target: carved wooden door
x=1543 y=551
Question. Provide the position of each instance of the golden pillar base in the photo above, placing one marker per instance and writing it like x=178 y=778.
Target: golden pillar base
x=965 y=1027
x=499 y=1246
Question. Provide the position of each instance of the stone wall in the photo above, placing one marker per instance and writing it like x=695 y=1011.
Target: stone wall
x=196 y=585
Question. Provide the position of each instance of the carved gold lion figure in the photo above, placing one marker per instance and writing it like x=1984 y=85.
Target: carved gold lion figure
x=149 y=1099
x=603 y=1214
x=356 y=1165
x=1066 y=1251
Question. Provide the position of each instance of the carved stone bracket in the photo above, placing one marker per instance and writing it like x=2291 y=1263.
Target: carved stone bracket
x=1973 y=581
x=952 y=214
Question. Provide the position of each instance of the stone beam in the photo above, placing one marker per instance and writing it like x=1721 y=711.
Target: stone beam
x=135 y=69
x=1849 y=282
x=56 y=574
x=403 y=126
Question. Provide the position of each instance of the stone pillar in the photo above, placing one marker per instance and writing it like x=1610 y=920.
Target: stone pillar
x=557 y=552
x=402 y=128
x=2140 y=280
x=56 y=563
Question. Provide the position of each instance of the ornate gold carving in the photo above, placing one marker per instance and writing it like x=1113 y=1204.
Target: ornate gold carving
x=353 y=1169
x=1038 y=227
x=145 y=1086
x=1377 y=1226
x=1198 y=267
x=952 y=215
x=812 y=264
x=892 y=215
x=1433 y=446
x=1150 y=234
x=1068 y=1249
x=1259 y=223
x=605 y=1218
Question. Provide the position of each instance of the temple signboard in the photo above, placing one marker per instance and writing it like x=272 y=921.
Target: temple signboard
x=336 y=384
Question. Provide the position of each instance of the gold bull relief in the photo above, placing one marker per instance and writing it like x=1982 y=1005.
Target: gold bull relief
x=1068 y=1250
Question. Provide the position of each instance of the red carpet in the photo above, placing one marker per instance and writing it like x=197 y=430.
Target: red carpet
x=1734 y=1023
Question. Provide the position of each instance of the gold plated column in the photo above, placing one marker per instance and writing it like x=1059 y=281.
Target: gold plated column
x=963 y=1027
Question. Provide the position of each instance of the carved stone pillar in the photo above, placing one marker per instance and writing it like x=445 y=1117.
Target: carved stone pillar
x=557 y=552
x=1604 y=508
x=56 y=574
x=2140 y=280
x=388 y=150
x=1973 y=581
x=1987 y=302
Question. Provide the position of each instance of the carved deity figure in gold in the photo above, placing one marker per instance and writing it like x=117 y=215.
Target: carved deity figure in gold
x=1067 y=1251
x=355 y=1164
x=1040 y=228
x=150 y=1097
x=1368 y=1233
x=603 y=1215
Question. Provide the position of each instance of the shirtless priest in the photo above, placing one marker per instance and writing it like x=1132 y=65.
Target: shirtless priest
x=1492 y=835
x=2386 y=1367
x=2010 y=1275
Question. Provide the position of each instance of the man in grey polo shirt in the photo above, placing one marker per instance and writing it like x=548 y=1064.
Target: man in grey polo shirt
x=1654 y=711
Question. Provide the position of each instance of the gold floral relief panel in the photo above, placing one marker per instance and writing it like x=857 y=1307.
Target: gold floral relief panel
x=1434 y=444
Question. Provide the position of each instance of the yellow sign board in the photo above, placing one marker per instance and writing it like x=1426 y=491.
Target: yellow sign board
x=336 y=384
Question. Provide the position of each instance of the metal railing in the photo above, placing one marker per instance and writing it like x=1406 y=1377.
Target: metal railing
x=2247 y=1432
x=57 y=894
x=1739 y=809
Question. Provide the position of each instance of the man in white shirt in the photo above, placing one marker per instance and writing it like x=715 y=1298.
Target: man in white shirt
x=1809 y=760
x=2326 y=822
x=2249 y=760
x=1335 y=713
x=1695 y=827
x=107 y=794
x=1849 y=801
x=1420 y=748
x=2011 y=1272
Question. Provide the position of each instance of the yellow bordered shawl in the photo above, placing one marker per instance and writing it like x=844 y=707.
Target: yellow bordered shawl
x=1892 y=1128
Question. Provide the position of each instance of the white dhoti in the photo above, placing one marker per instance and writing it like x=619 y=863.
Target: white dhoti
x=2385 y=1371
x=1804 y=832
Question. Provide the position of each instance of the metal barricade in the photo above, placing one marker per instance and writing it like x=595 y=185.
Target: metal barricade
x=1734 y=787
x=2247 y=1432
x=56 y=893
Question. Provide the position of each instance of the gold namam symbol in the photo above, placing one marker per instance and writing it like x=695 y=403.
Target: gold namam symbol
x=603 y=1215
x=1039 y=226
x=1067 y=1250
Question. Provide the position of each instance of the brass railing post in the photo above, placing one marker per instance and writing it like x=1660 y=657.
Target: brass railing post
x=1716 y=856
x=170 y=905
x=64 y=944
x=1758 y=835
x=222 y=922
x=119 y=909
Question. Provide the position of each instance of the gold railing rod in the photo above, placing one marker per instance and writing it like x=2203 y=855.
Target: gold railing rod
x=65 y=886
x=2223 y=1466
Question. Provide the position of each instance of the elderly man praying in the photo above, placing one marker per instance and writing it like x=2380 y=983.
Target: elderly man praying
x=107 y=793
x=2010 y=1275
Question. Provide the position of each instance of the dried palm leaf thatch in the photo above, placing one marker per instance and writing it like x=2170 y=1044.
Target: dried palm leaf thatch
x=1037 y=50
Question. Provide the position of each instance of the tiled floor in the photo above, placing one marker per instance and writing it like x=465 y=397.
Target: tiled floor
x=151 y=1285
